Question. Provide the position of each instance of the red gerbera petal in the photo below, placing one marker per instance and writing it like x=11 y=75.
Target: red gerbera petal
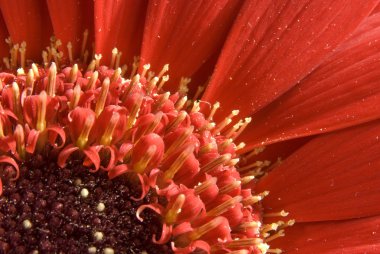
x=274 y=44
x=333 y=177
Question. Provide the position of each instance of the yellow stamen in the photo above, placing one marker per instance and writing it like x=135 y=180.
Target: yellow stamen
x=6 y=62
x=29 y=82
x=241 y=243
x=135 y=65
x=146 y=67
x=225 y=122
x=134 y=112
x=216 y=162
x=141 y=165
x=200 y=89
x=230 y=187
x=35 y=70
x=23 y=54
x=102 y=97
x=50 y=89
x=278 y=214
x=177 y=164
x=152 y=84
x=163 y=81
x=172 y=213
x=180 y=103
x=83 y=137
x=242 y=128
x=164 y=69
x=224 y=207
x=73 y=73
x=92 y=82
x=177 y=121
x=41 y=113
x=205 y=185
x=183 y=88
x=254 y=199
x=113 y=58
x=108 y=133
x=118 y=58
x=179 y=141
x=76 y=96
x=20 y=141
x=84 y=43
x=280 y=233
x=97 y=57
x=116 y=75
x=161 y=101
x=91 y=66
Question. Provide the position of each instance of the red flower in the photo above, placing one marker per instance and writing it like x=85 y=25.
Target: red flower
x=300 y=78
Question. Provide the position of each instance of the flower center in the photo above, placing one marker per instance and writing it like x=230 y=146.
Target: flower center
x=167 y=148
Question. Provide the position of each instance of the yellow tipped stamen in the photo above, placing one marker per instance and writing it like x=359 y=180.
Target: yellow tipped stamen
x=84 y=43
x=76 y=96
x=278 y=234
x=83 y=137
x=200 y=231
x=134 y=112
x=225 y=144
x=183 y=88
x=23 y=54
x=163 y=81
x=124 y=69
x=132 y=84
x=35 y=70
x=29 y=82
x=113 y=58
x=150 y=75
x=177 y=164
x=141 y=165
x=180 y=103
x=241 y=243
x=256 y=164
x=118 y=58
x=247 y=225
x=230 y=187
x=161 y=101
x=240 y=146
x=225 y=122
x=164 y=69
x=107 y=135
x=224 y=207
x=154 y=124
x=242 y=128
x=16 y=100
x=216 y=162
x=45 y=58
x=279 y=214
x=270 y=227
x=232 y=131
x=200 y=89
x=152 y=84
x=20 y=140
x=97 y=57
x=91 y=66
x=102 y=97
x=146 y=67
x=92 y=82
x=116 y=75
x=74 y=73
x=196 y=107
x=254 y=199
x=179 y=141
x=205 y=185
x=177 y=121
x=254 y=152
x=6 y=63
x=213 y=111
x=275 y=251
x=20 y=72
x=135 y=65
x=41 y=112
x=14 y=56
x=50 y=89
x=172 y=213
x=247 y=179
x=70 y=51
x=206 y=148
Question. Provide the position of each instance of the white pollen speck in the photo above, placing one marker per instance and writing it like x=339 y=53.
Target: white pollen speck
x=35 y=252
x=98 y=236
x=27 y=224
x=84 y=193
x=92 y=250
x=108 y=251
x=100 y=207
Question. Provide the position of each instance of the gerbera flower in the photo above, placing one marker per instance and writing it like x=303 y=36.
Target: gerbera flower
x=102 y=153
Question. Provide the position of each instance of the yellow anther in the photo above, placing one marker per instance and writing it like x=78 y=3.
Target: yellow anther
x=254 y=152
x=230 y=187
x=216 y=162
x=41 y=112
x=205 y=185
x=141 y=165
x=164 y=69
x=135 y=80
x=29 y=82
x=172 y=214
x=116 y=75
x=207 y=148
x=91 y=85
x=84 y=43
x=213 y=111
x=161 y=101
x=108 y=133
x=254 y=199
x=279 y=214
x=183 y=88
x=196 y=107
x=91 y=66
x=200 y=89
x=134 y=112
x=224 y=207
x=76 y=96
x=240 y=146
x=50 y=89
x=249 y=224
x=20 y=140
x=16 y=100
x=256 y=164
x=74 y=73
x=70 y=51
x=162 y=82
x=150 y=76
x=83 y=137
x=118 y=58
x=102 y=97
x=179 y=141
x=23 y=54
x=247 y=179
x=278 y=234
x=241 y=243
x=152 y=84
x=177 y=164
x=146 y=67
x=242 y=128
x=275 y=251
x=225 y=122
x=135 y=65
x=113 y=58
x=200 y=231
x=153 y=125
x=97 y=57
x=179 y=119
x=180 y=103
x=20 y=72
x=232 y=131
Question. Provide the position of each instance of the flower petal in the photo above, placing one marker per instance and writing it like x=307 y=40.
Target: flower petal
x=70 y=19
x=28 y=21
x=119 y=24
x=352 y=236
x=274 y=44
x=4 y=48
x=341 y=92
x=333 y=177
x=185 y=34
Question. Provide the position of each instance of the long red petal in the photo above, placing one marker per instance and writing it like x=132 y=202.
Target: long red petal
x=333 y=177
x=65 y=154
x=93 y=155
x=119 y=24
x=11 y=161
x=28 y=21
x=340 y=93
x=353 y=236
x=70 y=18
x=274 y=44
x=185 y=34
x=4 y=48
